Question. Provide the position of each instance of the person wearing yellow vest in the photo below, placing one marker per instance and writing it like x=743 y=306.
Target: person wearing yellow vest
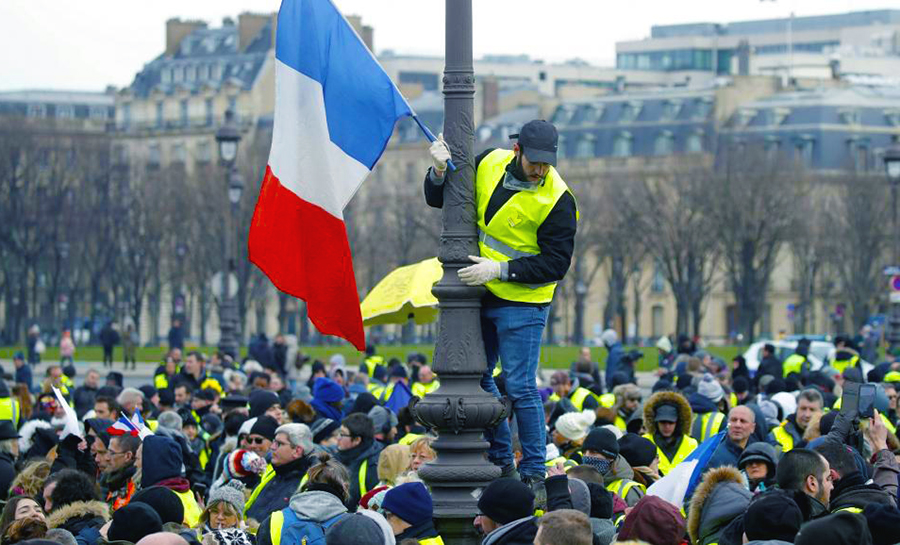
x=526 y=218
x=667 y=419
x=427 y=382
x=628 y=400
x=798 y=362
x=165 y=373
x=161 y=463
x=291 y=457
x=195 y=375
x=582 y=398
x=409 y=510
x=358 y=451
x=372 y=362
x=789 y=433
x=845 y=354
x=600 y=450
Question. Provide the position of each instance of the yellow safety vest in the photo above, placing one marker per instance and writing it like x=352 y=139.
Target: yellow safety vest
x=267 y=476
x=621 y=487
x=607 y=400
x=363 y=469
x=793 y=364
x=161 y=381
x=579 y=395
x=512 y=232
x=432 y=541
x=371 y=363
x=620 y=423
x=421 y=390
x=893 y=376
x=785 y=439
x=9 y=410
x=410 y=438
x=710 y=424
x=733 y=400
x=851 y=509
x=688 y=444
x=841 y=365
x=192 y=511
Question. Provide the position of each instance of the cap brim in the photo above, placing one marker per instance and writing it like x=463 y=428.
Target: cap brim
x=540 y=156
x=666 y=419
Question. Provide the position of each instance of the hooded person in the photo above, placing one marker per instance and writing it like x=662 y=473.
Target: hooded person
x=161 y=462
x=327 y=398
x=718 y=499
x=667 y=419
x=708 y=403
x=842 y=528
x=655 y=521
x=772 y=516
x=506 y=513
x=601 y=451
x=759 y=462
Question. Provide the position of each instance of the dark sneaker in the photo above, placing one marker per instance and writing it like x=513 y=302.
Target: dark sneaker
x=509 y=470
x=536 y=483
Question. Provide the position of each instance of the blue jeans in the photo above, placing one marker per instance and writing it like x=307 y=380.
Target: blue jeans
x=513 y=335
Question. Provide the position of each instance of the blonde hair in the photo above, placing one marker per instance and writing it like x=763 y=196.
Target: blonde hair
x=393 y=461
x=30 y=480
x=422 y=444
x=204 y=516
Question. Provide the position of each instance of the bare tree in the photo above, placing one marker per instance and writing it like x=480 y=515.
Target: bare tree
x=859 y=214
x=752 y=209
x=809 y=249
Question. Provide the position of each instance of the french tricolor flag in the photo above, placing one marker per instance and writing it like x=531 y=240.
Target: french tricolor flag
x=335 y=110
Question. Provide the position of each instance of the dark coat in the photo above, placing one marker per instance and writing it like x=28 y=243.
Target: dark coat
x=727 y=454
x=276 y=495
x=353 y=459
x=23 y=376
x=83 y=396
x=613 y=360
x=517 y=532
x=852 y=491
x=768 y=366
x=78 y=516
x=7 y=473
x=176 y=338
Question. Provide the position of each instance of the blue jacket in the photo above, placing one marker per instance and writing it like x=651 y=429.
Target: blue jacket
x=726 y=454
x=616 y=353
x=23 y=375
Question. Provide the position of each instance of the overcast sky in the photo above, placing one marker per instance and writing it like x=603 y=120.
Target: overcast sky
x=88 y=44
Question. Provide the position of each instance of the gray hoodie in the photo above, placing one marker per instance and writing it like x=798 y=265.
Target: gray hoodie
x=317 y=506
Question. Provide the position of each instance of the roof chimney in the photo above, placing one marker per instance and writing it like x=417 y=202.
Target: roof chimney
x=490 y=98
x=366 y=33
x=177 y=30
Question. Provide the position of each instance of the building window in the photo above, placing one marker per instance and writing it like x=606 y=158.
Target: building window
x=120 y=154
x=658 y=282
x=216 y=71
x=664 y=144
x=657 y=314
x=159 y=115
x=772 y=146
x=622 y=145
x=126 y=115
x=165 y=75
x=562 y=116
x=37 y=110
x=694 y=143
x=190 y=72
x=209 y=112
x=153 y=156
x=179 y=155
x=65 y=111
x=670 y=110
x=184 y=113
x=859 y=154
x=177 y=74
x=849 y=117
x=803 y=151
x=232 y=105
x=204 y=152
x=585 y=147
x=99 y=112
x=630 y=112
x=702 y=108
x=561 y=146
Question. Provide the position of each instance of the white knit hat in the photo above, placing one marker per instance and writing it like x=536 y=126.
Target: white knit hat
x=574 y=426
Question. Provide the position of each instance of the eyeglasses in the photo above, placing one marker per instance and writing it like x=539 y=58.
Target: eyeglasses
x=278 y=444
x=111 y=453
x=256 y=440
x=347 y=435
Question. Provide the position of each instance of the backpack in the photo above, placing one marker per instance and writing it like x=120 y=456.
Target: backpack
x=295 y=531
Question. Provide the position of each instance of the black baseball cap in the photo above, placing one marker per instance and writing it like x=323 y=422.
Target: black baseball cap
x=539 y=140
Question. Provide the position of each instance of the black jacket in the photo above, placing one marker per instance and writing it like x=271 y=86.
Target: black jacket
x=517 y=532
x=555 y=236
x=353 y=459
x=83 y=396
x=852 y=491
x=768 y=366
x=276 y=495
x=7 y=473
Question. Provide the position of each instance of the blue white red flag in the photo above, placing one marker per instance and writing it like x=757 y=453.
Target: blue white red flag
x=130 y=426
x=680 y=483
x=335 y=110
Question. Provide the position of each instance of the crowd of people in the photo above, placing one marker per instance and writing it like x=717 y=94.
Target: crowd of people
x=222 y=452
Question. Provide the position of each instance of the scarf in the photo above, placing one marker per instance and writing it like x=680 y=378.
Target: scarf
x=601 y=465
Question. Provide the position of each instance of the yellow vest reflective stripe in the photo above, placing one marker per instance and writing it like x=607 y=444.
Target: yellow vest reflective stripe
x=512 y=232
x=850 y=509
x=793 y=364
x=192 y=511
x=620 y=423
x=371 y=363
x=619 y=519
x=733 y=400
x=410 y=438
x=377 y=391
x=553 y=397
x=363 y=469
x=688 y=444
x=372 y=386
x=497 y=370
x=783 y=437
x=710 y=424
x=578 y=396
x=893 y=376
x=276 y=523
x=421 y=390
x=385 y=393
x=9 y=410
x=607 y=400
x=841 y=365
x=267 y=476
x=621 y=487
x=553 y=462
x=432 y=541
x=161 y=381
x=887 y=424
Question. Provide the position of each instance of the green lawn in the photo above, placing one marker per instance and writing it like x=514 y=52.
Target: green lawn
x=551 y=356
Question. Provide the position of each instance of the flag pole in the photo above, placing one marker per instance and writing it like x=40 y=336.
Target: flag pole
x=431 y=138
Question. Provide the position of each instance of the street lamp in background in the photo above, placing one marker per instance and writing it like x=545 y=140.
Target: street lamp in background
x=228 y=137
x=892 y=167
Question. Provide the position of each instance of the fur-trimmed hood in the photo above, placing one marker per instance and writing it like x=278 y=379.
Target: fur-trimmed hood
x=719 y=498
x=668 y=398
x=60 y=518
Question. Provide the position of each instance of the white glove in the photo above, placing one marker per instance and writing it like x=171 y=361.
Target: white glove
x=483 y=271
x=440 y=154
